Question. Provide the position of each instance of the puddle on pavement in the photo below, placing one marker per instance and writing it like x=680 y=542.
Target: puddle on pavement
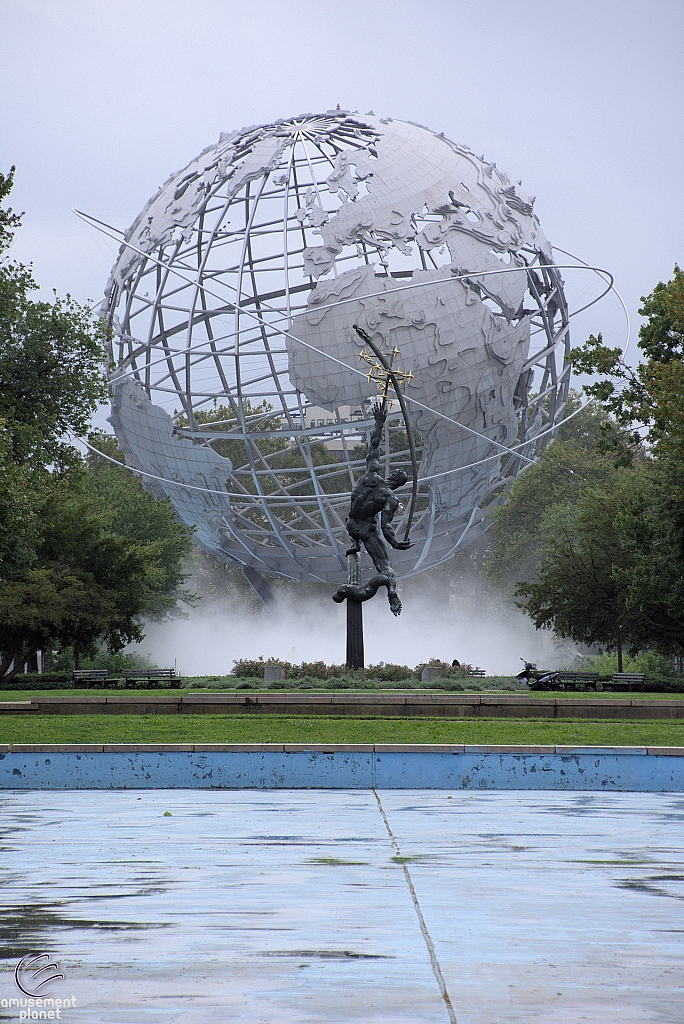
x=645 y=885
x=24 y=928
x=334 y=862
x=325 y=954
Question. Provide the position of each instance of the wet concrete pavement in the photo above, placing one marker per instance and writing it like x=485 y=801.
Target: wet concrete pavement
x=343 y=906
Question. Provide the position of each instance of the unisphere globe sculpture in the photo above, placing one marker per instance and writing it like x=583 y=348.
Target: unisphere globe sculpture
x=238 y=389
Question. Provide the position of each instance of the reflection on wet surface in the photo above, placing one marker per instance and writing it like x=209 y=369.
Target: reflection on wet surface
x=23 y=929
x=539 y=906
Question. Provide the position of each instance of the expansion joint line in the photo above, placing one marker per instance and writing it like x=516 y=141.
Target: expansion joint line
x=421 y=920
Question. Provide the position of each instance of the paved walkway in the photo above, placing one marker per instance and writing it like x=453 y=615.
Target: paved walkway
x=344 y=906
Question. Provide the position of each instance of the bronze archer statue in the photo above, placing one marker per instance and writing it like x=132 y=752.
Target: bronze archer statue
x=371 y=496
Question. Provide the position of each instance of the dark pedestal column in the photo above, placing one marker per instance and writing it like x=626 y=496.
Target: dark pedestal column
x=354 y=618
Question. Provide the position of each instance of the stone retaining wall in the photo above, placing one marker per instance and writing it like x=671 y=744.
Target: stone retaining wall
x=351 y=704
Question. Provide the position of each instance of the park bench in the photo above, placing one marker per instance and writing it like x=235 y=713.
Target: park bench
x=541 y=683
x=431 y=673
x=152 y=676
x=577 y=680
x=87 y=677
x=626 y=681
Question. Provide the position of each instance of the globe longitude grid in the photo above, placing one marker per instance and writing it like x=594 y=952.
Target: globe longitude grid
x=221 y=367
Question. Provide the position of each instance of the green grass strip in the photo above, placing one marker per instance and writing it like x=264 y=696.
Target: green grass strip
x=19 y=695
x=298 y=729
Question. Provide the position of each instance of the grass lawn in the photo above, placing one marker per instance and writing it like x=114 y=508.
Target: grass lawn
x=17 y=695
x=298 y=729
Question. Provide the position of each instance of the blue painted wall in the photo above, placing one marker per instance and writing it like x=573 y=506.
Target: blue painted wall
x=597 y=770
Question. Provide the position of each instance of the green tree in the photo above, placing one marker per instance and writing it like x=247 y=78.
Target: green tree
x=518 y=535
x=21 y=496
x=608 y=575
x=101 y=557
x=117 y=573
x=575 y=591
x=51 y=362
x=275 y=454
x=86 y=585
x=646 y=400
x=9 y=220
x=84 y=552
x=128 y=511
x=650 y=524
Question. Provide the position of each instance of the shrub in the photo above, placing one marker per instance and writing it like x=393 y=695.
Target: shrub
x=464 y=671
x=34 y=681
x=388 y=673
x=247 y=668
x=663 y=684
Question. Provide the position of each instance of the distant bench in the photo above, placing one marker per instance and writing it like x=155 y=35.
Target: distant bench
x=566 y=681
x=431 y=673
x=589 y=681
x=99 y=677
x=585 y=680
x=152 y=676
x=626 y=681
x=88 y=676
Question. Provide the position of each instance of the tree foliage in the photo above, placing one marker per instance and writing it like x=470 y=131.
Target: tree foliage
x=574 y=590
x=51 y=362
x=21 y=496
x=278 y=454
x=648 y=400
x=51 y=378
x=84 y=552
x=612 y=569
x=9 y=220
x=520 y=527
x=128 y=511
x=612 y=558
x=650 y=524
x=85 y=585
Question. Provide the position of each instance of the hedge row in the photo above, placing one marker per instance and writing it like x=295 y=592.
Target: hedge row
x=254 y=669
x=300 y=677
x=34 y=681
x=341 y=683
x=64 y=681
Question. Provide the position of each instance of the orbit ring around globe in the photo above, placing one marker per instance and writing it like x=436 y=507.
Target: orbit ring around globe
x=237 y=389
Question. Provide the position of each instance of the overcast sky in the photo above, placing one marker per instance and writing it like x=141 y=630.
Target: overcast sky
x=102 y=99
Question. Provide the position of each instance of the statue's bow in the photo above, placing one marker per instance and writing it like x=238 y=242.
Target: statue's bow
x=366 y=338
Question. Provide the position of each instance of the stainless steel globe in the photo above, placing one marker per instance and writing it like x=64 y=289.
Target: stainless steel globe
x=238 y=389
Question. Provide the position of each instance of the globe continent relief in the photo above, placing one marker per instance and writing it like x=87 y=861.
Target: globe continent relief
x=238 y=389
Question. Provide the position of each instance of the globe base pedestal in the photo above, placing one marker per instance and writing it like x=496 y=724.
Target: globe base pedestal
x=355 y=654
x=354 y=635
